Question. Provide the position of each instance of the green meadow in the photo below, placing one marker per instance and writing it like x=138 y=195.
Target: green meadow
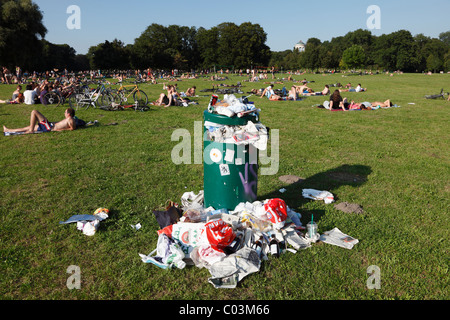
x=393 y=162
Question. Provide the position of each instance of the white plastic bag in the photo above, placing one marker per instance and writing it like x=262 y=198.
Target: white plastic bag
x=314 y=194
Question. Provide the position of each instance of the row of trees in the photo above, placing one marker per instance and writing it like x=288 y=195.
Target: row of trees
x=227 y=45
x=360 y=49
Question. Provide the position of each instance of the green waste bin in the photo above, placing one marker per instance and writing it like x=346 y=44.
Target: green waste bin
x=230 y=171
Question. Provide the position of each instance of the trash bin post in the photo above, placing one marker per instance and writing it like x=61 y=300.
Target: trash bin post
x=230 y=171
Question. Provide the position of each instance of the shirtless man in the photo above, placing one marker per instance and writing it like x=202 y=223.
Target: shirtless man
x=39 y=123
x=385 y=104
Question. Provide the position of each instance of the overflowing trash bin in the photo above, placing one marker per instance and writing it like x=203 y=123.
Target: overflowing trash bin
x=232 y=137
x=224 y=228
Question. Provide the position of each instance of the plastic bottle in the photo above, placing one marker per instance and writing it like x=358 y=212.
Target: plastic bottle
x=274 y=246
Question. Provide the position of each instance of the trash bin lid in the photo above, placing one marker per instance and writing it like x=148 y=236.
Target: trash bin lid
x=230 y=121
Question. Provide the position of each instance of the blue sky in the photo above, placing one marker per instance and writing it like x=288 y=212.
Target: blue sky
x=285 y=21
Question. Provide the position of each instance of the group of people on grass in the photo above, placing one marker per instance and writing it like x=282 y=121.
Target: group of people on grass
x=336 y=102
x=297 y=91
x=35 y=92
x=173 y=97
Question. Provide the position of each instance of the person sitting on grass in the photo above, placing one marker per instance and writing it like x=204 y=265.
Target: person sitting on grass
x=17 y=100
x=17 y=97
x=336 y=101
x=360 y=89
x=39 y=123
x=270 y=94
x=30 y=95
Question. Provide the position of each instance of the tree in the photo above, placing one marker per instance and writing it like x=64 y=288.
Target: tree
x=445 y=38
x=109 y=56
x=207 y=42
x=312 y=53
x=20 y=23
x=251 y=45
x=434 y=63
x=59 y=56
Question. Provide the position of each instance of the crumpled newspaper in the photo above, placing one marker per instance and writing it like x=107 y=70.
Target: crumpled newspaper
x=255 y=134
x=338 y=238
x=233 y=268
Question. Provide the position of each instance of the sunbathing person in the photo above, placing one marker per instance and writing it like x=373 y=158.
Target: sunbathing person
x=190 y=92
x=270 y=94
x=377 y=104
x=292 y=95
x=370 y=105
x=39 y=123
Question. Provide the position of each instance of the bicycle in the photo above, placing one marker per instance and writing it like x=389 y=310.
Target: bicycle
x=57 y=98
x=135 y=97
x=87 y=99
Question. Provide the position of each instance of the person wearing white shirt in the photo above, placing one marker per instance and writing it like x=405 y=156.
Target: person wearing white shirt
x=29 y=95
x=359 y=89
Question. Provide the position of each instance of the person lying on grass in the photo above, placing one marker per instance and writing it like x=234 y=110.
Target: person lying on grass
x=39 y=123
x=370 y=105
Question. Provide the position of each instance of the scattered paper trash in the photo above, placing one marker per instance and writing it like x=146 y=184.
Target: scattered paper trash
x=338 y=238
x=233 y=268
x=88 y=223
x=314 y=194
x=136 y=226
x=166 y=255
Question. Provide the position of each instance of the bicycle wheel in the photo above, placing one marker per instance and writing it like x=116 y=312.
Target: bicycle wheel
x=72 y=99
x=52 y=99
x=79 y=100
x=140 y=100
x=106 y=100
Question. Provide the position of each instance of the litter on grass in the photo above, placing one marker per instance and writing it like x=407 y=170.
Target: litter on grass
x=88 y=223
x=314 y=194
x=232 y=244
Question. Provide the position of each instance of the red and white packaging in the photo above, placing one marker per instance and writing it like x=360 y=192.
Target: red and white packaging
x=276 y=211
x=219 y=234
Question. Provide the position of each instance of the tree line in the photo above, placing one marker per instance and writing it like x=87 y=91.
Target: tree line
x=360 y=49
x=226 y=45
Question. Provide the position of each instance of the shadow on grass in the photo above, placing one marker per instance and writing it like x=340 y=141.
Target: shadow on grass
x=330 y=180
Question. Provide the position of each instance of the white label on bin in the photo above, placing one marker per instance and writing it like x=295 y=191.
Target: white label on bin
x=224 y=170
x=229 y=156
x=239 y=161
x=215 y=155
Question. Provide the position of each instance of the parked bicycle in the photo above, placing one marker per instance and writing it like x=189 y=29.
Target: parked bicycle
x=131 y=95
x=57 y=98
x=100 y=95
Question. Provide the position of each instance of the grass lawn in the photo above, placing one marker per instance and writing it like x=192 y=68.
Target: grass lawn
x=393 y=162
